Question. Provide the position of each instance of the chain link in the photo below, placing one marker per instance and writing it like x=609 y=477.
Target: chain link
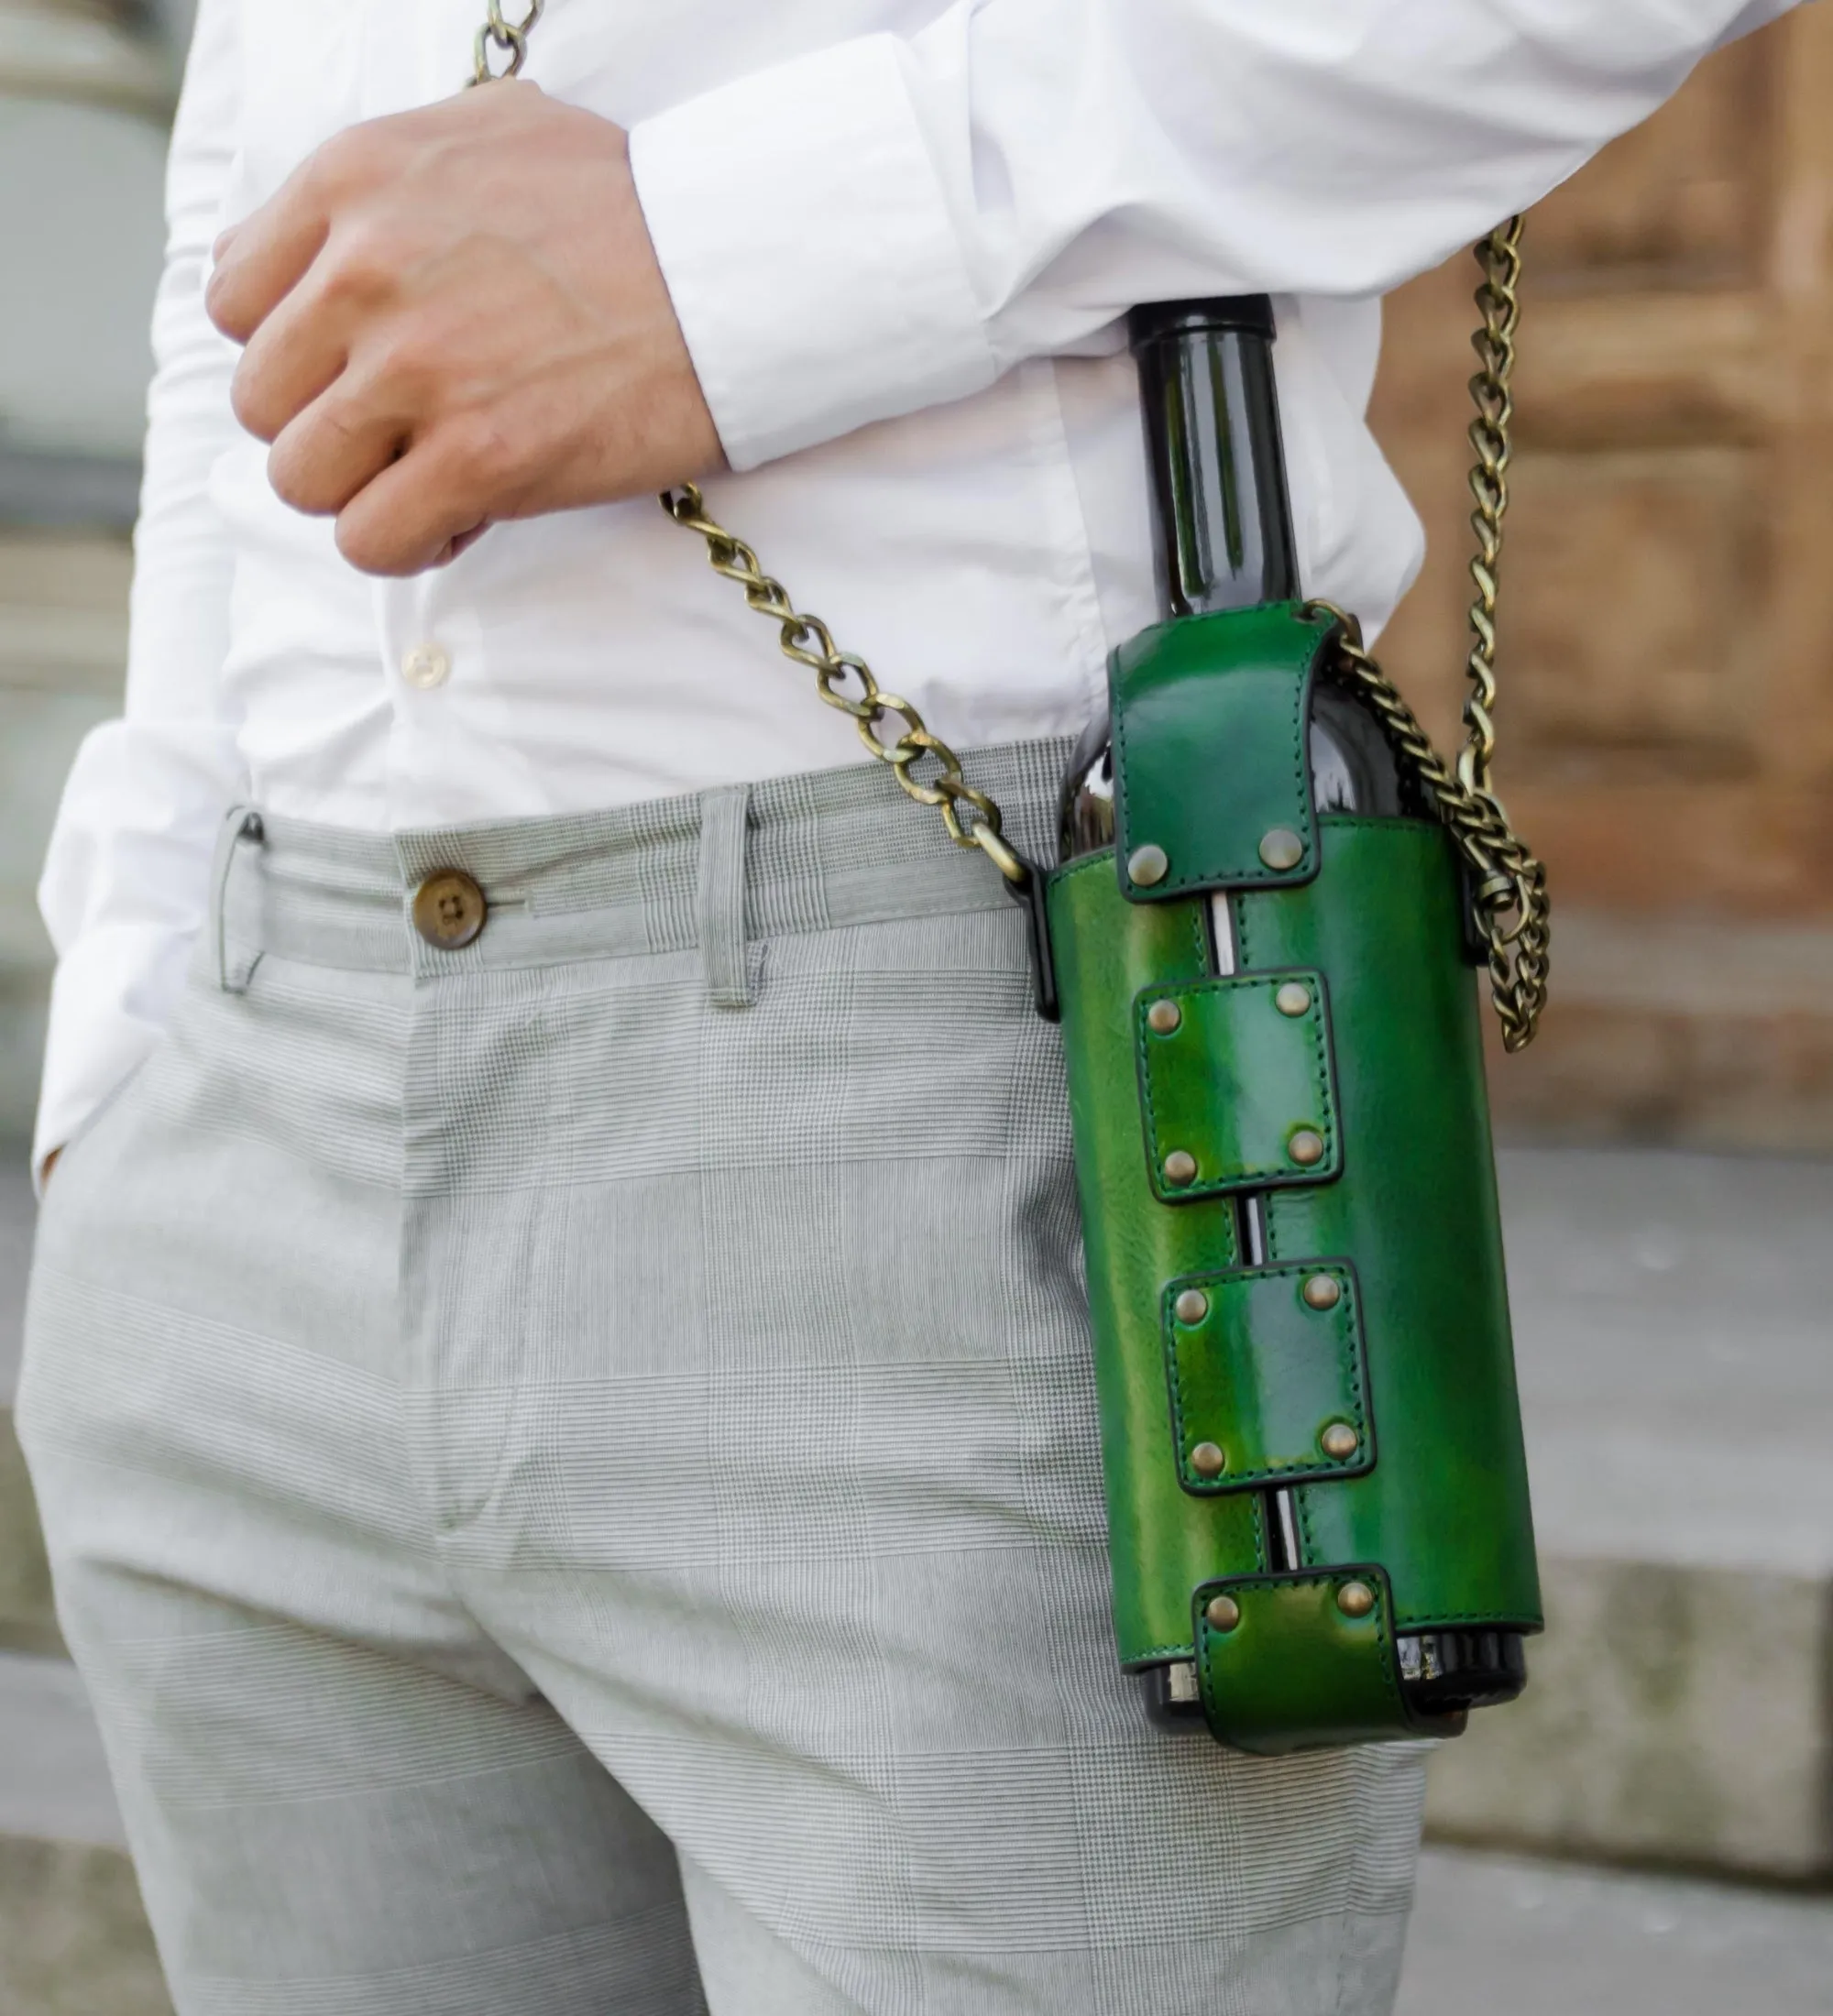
x=1498 y=305
x=1508 y=884
x=508 y=38
x=845 y=681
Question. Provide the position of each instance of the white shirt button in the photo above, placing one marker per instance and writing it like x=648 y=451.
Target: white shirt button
x=427 y=666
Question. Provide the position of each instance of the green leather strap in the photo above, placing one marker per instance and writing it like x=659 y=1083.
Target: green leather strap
x=1237 y=683
x=1233 y=1081
x=1265 y=1364
x=1297 y=1671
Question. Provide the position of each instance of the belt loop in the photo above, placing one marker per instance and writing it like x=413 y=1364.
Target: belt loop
x=721 y=898
x=240 y=824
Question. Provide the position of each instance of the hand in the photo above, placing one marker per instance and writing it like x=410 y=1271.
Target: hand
x=455 y=315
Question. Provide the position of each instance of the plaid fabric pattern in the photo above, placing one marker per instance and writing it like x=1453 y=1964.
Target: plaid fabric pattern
x=573 y=1497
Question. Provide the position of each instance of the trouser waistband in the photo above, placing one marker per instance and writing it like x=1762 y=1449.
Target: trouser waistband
x=714 y=869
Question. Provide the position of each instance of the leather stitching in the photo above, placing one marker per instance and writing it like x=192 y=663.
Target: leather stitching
x=1347 y=1323
x=1221 y=876
x=1265 y=1177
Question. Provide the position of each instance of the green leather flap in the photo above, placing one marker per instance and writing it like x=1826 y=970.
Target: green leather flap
x=1237 y=1083
x=1268 y=1378
x=1211 y=759
x=1297 y=1671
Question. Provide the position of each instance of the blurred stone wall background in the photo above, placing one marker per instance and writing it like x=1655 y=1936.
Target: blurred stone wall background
x=1667 y=605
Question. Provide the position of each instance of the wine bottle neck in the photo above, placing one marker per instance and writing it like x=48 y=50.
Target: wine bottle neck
x=1223 y=521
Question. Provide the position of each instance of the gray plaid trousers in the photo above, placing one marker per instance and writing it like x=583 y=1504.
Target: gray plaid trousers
x=570 y=1464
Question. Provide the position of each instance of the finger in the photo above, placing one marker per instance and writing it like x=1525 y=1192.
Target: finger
x=264 y=257
x=415 y=512
x=296 y=353
x=269 y=250
x=342 y=417
x=326 y=454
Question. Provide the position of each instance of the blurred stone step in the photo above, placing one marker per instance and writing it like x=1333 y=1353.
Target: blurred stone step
x=17 y=1214
x=1677 y=1385
x=1513 y=1937
x=73 y=1938
x=1675 y=1350
x=27 y=1622
x=1673 y=1715
x=54 y=1777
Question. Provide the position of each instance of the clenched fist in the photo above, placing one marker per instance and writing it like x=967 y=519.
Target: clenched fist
x=455 y=315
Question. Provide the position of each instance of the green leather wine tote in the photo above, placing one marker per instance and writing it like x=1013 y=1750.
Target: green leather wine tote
x=1260 y=943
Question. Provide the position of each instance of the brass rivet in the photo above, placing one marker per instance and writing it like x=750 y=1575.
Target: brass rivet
x=1208 y=1461
x=1163 y=1017
x=1306 y=1147
x=1292 y=999
x=1324 y=1292
x=1355 y=1599
x=1340 y=1442
x=1180 y=1168
x=1191 y=1306
x=1146 y=865
x=1281 y=849
x=1221 y=1613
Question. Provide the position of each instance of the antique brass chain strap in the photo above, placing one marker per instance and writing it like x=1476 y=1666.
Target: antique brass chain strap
x=972 y=817
x=1509 y=885
x=1491 y=392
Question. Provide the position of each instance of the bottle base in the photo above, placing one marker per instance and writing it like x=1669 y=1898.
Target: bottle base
x=1447 y=1672
x=1443 y=1675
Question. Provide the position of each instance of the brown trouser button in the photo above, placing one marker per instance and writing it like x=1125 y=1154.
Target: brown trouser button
x=449 y=909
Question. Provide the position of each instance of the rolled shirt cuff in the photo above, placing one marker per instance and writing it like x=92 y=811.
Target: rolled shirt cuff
x=808 y=247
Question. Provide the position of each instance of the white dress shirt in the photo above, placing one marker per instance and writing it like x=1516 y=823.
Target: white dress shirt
x=899 y=234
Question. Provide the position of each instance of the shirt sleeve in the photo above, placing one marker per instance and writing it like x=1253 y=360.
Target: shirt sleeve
x=125 y=881
x=887 y=224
